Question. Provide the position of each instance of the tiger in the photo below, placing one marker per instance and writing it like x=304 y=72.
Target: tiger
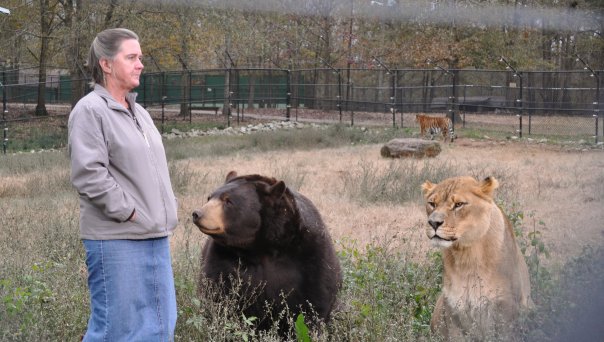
x=435 y=125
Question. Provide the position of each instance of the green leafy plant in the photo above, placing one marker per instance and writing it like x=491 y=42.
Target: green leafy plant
x=244 y=334
x=24 y=299
x=301 y=329
x=383 y=284
x=531 y=245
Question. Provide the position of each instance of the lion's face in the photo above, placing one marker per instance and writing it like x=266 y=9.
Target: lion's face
x=459 y=210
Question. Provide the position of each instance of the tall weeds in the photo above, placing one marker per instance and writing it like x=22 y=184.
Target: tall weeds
x=399 y=182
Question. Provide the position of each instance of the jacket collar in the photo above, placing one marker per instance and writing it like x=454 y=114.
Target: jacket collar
x=111 y=102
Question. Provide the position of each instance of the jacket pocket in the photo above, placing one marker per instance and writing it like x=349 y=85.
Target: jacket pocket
x=142 y=219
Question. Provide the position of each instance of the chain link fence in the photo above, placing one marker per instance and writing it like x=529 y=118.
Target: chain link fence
x=563 y=103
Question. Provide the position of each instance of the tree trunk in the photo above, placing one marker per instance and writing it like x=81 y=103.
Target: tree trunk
x=184 y=58
x=73 y=18
x=45 y=28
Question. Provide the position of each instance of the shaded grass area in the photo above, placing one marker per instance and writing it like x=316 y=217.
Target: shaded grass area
x=28 y=133
x=293 y=139
x=387 y=295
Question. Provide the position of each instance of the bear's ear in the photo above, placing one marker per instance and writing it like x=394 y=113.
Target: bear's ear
x=427 y=187
x=230 y=176
x=488 y=186
x=277 y=190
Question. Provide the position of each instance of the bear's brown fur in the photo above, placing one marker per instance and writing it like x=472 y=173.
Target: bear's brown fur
x=273 y=238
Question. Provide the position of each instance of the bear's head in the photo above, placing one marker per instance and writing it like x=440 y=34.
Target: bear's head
x=246 y=211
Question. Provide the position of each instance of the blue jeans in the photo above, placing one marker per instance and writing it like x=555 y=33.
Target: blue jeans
x=132 y=296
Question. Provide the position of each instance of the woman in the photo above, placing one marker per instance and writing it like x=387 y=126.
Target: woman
x=127 y=206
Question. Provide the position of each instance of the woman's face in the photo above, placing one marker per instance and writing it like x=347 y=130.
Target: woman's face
x=125 y=69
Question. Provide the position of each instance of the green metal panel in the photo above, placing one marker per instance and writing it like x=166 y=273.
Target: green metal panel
x=212 y=92
x=174 y=88
x=65 y=88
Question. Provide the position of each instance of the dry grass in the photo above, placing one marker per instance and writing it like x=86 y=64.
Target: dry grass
x=390 y=278
x=563 y=189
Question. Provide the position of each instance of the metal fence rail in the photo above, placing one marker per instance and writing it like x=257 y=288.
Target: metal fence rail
x=566 y=103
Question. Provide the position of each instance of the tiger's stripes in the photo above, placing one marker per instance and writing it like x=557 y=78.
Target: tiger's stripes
x=435 y=125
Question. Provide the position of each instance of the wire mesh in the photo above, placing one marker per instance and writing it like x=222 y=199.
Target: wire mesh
x=527 y=103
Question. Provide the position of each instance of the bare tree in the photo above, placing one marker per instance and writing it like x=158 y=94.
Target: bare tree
x=47 y=18
x=75 y=43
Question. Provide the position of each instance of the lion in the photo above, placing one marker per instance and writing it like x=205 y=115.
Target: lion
x=485 y=280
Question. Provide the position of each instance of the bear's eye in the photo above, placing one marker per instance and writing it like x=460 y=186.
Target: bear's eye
x=459 y=205
x=226 y=200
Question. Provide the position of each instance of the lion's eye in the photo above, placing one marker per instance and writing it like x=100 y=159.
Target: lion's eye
x=459 y=205
x=432 y=205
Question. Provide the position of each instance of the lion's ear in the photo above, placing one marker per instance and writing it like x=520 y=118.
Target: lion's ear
x=488 y=186
x=427 y=187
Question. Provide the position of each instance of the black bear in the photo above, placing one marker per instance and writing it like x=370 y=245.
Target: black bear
x=274 y=239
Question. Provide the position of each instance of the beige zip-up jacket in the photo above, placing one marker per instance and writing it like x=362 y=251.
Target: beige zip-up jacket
x=118 y=165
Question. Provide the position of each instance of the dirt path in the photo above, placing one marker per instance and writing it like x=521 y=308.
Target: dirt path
x=561 y=192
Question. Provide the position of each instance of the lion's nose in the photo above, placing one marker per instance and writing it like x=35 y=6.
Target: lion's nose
x=435 y=223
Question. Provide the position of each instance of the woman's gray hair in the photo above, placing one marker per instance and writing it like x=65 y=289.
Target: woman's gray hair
x=106 y=45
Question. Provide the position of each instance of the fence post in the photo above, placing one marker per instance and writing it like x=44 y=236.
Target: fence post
x=190 y=97
x=5 y=140
x=392 y=89
x=598 y=99
x=454 y=108
x=451 y=101
x=163 y=107
x=227 y=110
x=520 y=125
x=288 y=95
x=4 y=110
x=340 y=93
x=144 y=79
x=520 y=104
x=597 y=103
x=401 y=97
x=392 y=99
x=351 y=106
x=596 y=119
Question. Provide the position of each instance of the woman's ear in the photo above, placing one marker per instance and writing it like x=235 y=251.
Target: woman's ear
x=105 y=65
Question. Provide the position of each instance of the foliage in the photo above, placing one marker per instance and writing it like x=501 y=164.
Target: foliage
x=532 y=247
x=207 y=34
x=32 y=292
x=385 y=293
x=302 y=329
